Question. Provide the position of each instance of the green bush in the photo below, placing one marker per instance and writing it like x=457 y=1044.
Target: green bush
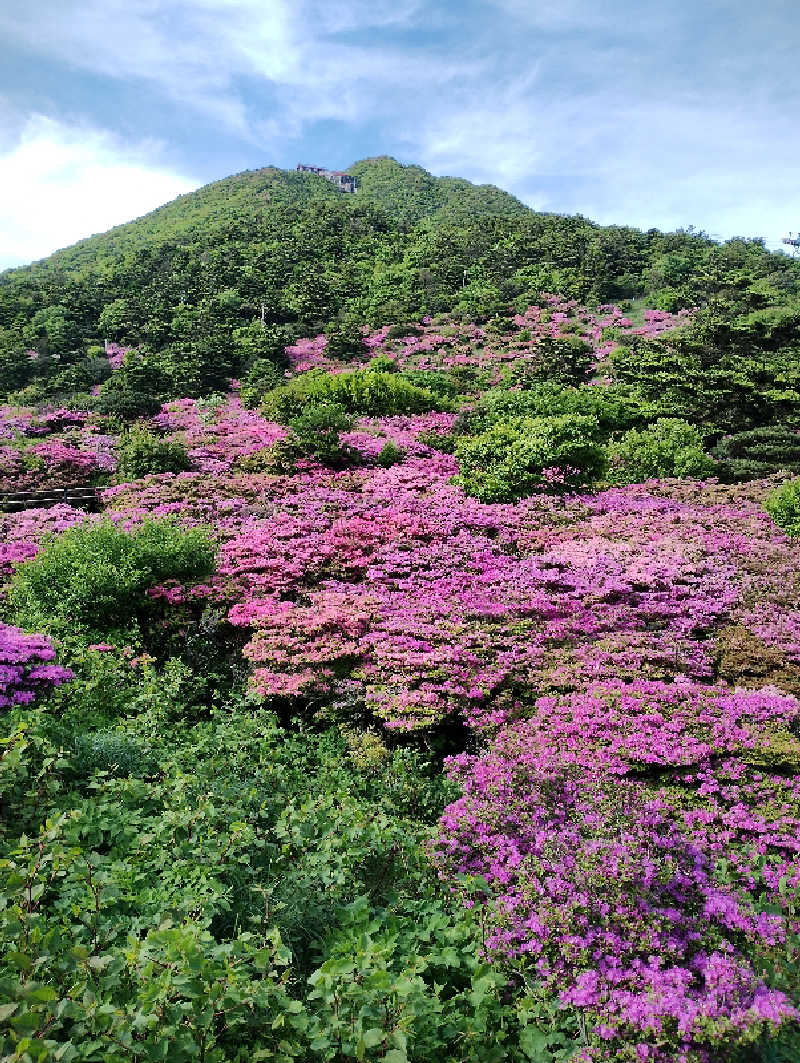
x=614 y=408
x=345 y=339
x=141 y=453
x=400 y=332
x=783 y=505
x=669 y=447
x=313 y=434
x=360 y=391
x=262 y=376
x=444 y=442
x=111 y=753
x=564 y=359
x=93 y=578
x=758 y=453
x=514 y=458
x=390 y=454
x=136 y=389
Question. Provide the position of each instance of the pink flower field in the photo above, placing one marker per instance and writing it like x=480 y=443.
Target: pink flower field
x=618 y=670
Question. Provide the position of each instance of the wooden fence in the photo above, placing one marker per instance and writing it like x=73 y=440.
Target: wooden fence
x=79 y=497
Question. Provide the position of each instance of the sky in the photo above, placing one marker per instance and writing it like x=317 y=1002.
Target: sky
x=653 y=114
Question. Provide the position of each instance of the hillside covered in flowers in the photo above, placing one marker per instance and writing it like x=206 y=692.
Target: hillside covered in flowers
x=426 y=692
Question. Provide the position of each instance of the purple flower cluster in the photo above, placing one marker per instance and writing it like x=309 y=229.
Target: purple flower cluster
x=26 y=668
x=634 y=849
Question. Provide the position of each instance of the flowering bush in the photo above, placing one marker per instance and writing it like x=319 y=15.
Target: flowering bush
x=634 y=858
x=623 y=828
x=140 y=453
x=26 y=668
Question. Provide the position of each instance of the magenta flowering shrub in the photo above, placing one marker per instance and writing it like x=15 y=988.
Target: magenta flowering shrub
x=26 y=668
x=216 y=437
x=634 y=819
x=55 y=448
x=458 y=345
x=623 y=833
x=115 y=354
x=22 y=532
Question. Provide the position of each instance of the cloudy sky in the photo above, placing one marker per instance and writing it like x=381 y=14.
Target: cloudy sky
x=659 y=113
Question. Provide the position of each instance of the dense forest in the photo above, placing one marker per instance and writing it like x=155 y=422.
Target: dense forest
x=409 y=669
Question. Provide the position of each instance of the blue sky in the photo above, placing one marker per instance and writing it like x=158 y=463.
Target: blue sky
x=666 y=114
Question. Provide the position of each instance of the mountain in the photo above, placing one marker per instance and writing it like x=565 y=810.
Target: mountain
x=233 y=272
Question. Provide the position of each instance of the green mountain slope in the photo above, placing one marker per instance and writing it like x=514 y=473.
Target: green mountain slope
x=232 y=272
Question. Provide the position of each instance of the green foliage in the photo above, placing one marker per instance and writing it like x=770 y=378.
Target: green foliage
x=757 y=453
x=16 y=367
x=614 y=408
x=783 y=505
x=148 y=907
x=140 y=453
x=669 y=447
x=359 y=391
x=405 y=985
x=442 y=441
x=345 y=338
x=93 y=578
x=314 y=433
x=262 y=377
x=731 y=370
x=390 y=454
x=136 y=389
x=562 y=359
x=516 y=457
x=111 y=753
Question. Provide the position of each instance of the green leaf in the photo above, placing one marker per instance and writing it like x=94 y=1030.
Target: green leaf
x=373 y=1037
x=7 y=1010
x=534 y=1043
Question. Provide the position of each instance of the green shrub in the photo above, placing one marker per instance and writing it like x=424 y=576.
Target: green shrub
x=313 y=434
x=141 y=453
x=400 y=332
x=614 y=408
x=109 y=752
x=445 y=442
x=382 y=363
x=448 y=385
x=345 y=339
x=669 y=447
x=136 y=389
x=783 y=505
x=562 y=359
x=514 y=458
x=262 y=376
x=758 y=453
x=390 y=454
x=92 y=579
x=360 y=391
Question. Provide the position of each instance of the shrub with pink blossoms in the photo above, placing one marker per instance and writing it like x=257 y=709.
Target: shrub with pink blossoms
x=26 y=668
x=623 y=835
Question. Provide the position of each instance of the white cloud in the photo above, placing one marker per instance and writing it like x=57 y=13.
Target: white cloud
x=653 y=114
x=194 y=51
x=61 y=183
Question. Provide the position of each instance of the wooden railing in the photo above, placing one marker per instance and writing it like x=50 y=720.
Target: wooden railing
x=78 y=497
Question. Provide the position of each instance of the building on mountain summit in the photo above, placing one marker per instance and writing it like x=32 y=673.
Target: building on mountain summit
x=343 y=181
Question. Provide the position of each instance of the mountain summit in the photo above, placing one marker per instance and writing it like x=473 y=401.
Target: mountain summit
x=242 y=267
